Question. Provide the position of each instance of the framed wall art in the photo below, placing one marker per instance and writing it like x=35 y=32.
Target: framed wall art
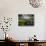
x=25 y=19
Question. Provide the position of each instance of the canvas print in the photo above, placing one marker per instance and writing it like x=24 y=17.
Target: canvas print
x=25 y=19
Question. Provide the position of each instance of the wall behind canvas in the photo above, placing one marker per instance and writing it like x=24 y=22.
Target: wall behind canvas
x=11 y=8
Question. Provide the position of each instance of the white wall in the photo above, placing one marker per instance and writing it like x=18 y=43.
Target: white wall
x=11 y=8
